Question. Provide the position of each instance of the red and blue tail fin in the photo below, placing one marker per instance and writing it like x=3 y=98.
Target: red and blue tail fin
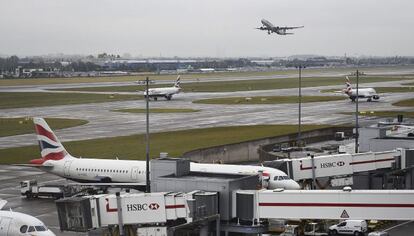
x=50 y=146
x=177 y=82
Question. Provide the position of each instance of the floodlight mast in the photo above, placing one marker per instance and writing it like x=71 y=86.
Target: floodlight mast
x=300 y=67
x=147 y=149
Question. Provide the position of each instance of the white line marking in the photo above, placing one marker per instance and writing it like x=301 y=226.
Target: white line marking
x=395 y=226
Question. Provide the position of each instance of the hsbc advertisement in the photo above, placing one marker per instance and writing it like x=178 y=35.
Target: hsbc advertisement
x=136 y=209
x=336 y=165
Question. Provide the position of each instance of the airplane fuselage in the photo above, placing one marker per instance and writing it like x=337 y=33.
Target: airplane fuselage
x=162 y=92
x=16 y=223
x=127 y=171
x=368 y=93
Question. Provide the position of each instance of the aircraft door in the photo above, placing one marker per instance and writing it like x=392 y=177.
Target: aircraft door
x=134 y=173
x=5 y=225
x=66 y=168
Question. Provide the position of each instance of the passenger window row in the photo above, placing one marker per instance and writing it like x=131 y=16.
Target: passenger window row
x=102 y=170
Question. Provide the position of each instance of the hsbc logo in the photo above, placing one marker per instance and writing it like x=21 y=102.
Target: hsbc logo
x=142 y=207
x=332 y=164
x=154 y=206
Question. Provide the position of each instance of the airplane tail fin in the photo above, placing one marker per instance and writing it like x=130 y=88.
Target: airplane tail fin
x=178 y=82
x=348 y=85
x=50 y=146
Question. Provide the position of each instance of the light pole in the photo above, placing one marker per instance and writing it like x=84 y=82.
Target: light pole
x=300 y=67
x=357 y=73
x=147 y=140
x=147 y=149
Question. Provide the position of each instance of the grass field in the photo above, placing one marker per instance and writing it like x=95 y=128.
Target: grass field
x=39 y=81
x=15 y=126
x=175 y=143
x=382 y=90
x=243 y=85
x=268 y=100
x=157 y=110
x=405 y=103
x=38 y=99
x=391 y=114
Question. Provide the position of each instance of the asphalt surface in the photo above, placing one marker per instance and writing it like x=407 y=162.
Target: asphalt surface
x=104 y=122
x=43 y=208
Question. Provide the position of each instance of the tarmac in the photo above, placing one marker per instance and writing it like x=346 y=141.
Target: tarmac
x=105 y=122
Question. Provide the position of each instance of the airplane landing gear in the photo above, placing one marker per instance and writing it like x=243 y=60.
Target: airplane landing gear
x=168 y=97
x=155 y=98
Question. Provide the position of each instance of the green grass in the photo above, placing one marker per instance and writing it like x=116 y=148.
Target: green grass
x=382 y=90
x=157 y=110
x=405 y=103
x=242 y=85
x=406 y=114
x=175 y=143
x=268 y=100
x=15 y=126
x=38 y=99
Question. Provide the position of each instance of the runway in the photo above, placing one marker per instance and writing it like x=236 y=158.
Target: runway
x=104 y=122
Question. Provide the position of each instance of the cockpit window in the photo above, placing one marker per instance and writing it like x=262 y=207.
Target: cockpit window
x=23 y=229
x=276 y=178
x=40 y=228
x=31 y=229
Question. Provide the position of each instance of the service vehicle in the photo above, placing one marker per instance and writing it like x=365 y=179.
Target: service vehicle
x=349 y=227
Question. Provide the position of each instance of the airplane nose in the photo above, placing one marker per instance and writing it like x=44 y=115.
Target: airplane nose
x=47 y=233
x=293 y=185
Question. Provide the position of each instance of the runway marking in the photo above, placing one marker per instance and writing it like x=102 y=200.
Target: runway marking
x=396 y=226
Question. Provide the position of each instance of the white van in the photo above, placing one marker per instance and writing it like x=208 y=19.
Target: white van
x=349 y=227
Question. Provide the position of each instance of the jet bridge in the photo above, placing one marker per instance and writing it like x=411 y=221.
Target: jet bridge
x=325 y=204
x=338 y=165
x=171 y=211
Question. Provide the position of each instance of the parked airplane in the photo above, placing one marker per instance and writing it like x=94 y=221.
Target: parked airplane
x=368 y=93
x=164 y=92
x=16 y=223
x=56 y=160
x=276 y=29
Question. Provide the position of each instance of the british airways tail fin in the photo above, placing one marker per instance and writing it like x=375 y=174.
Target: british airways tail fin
x=177 y=82
x=50 y=146
x=348 y=86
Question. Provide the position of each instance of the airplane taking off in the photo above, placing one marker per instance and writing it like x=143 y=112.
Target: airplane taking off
x=164 y=92
x=368 y=93
x=56 y=160
x=270 y=28
x=16 y=223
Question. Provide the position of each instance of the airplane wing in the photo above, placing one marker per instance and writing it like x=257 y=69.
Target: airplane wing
x=2 y=203
x=289 y=28
x=263 y=28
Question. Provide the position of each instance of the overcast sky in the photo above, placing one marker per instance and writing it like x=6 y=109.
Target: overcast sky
x=215 y=28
